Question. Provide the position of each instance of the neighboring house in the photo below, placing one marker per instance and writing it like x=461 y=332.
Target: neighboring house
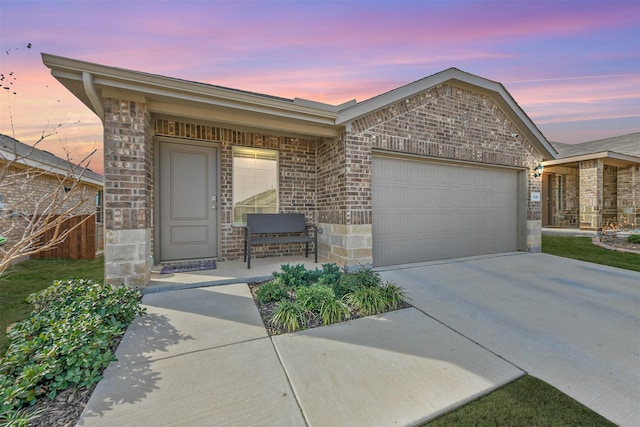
x=29 y=177
x=440 y=168
x=593 y=182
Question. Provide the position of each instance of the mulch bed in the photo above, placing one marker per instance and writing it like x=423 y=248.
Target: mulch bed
x=267 y=310
x=619 y=242
x=64 y=410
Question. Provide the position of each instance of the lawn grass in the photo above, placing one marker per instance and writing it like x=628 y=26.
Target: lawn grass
x=582 y=249
x=526 y=401
x=21 y=280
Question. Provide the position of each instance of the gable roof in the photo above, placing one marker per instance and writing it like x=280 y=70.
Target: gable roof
x=13 y=150
x=464 y=80
x=621 y=151
x=624 y=144
x=171 y=96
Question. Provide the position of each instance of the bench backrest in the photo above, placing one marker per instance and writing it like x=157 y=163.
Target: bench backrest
x=276 y=223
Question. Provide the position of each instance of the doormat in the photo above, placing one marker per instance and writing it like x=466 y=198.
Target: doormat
x=182 y=268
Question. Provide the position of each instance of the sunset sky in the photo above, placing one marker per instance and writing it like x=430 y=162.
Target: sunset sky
x=573 y=66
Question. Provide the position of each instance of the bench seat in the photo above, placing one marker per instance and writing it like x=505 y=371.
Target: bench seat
x=263 y=229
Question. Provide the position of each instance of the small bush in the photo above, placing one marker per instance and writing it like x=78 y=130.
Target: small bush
x=274 y=290
x=366 y=300
x=393 y=295
x=634 y=238
x=312 y=298
x=334 y=311
x=329 y=275
x=293 y=277
x=351 y=282
x=288 y=315
x=67 y=340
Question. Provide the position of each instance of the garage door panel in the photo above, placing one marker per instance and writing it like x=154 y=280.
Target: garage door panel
x=425 y=211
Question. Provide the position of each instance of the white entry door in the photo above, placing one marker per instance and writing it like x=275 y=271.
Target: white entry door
x=188 y=202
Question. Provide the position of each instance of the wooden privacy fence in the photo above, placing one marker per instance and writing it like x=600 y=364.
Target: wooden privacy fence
x=80 y=244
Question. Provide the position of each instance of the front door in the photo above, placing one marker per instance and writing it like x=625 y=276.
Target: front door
x=188 y=202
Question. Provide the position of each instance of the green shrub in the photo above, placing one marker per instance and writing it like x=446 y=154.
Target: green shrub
x=67 y=340
x=633 y=238
x=334 y=311
x=393 y=295
x=293 y=277
x=273 y=290
x=329 y=275
x=351 y=282
x=312 y=298
x=367 y=300
x=288 y=315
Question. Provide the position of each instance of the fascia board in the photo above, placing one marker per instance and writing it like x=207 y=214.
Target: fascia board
x=199 y=92
x=593 y=156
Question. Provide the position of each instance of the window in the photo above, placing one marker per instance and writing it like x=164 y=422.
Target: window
x=99 y=197
x=255 y=182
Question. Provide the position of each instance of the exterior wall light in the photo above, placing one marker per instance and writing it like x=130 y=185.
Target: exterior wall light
x=537 y=171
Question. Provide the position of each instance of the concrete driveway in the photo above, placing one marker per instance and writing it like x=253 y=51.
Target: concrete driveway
x=573 y=324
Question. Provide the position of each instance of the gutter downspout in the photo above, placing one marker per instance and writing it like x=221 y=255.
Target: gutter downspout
x=90 y=89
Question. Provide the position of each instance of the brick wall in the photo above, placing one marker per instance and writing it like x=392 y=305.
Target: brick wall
x=591 y=194
x=26 y=191
x=128 y=192
x=628 y=188
x=568 y=215
x=609 y=192
x=444 y=122
x=297 y=178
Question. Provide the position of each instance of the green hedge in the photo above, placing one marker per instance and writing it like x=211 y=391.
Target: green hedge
x=67 y=340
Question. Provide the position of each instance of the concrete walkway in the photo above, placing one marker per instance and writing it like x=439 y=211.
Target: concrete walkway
x=201 y=356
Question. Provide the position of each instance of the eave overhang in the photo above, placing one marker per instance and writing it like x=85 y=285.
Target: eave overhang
x=608 y=157
x=170 y=96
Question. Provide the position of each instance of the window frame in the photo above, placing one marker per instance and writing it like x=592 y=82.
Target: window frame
x=234 y=178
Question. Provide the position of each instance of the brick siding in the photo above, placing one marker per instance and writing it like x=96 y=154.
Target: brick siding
x=25 y=191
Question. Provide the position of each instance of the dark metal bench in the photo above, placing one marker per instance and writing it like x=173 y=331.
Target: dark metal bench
x=263 y=229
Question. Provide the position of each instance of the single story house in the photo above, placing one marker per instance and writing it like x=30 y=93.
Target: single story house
x=439 y=168
x=593 y=182
x=29 y=180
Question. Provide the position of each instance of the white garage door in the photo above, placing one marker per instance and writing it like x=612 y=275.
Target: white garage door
x=425 y=211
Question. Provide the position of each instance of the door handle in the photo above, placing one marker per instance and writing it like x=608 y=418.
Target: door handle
x=213 y=202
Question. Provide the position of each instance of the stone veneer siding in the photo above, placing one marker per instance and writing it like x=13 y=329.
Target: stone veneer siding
x=444 y=122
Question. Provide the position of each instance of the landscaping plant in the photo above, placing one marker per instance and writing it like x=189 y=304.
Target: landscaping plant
x=67 y=340
x=307 y=298
x=274 y=290
x=633 y=238
x=312 y=298
x=288 y=315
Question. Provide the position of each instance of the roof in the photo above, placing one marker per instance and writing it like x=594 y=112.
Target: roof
x=170 y=97
x=624 y=144
x=621 y=151
x=11 y=148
